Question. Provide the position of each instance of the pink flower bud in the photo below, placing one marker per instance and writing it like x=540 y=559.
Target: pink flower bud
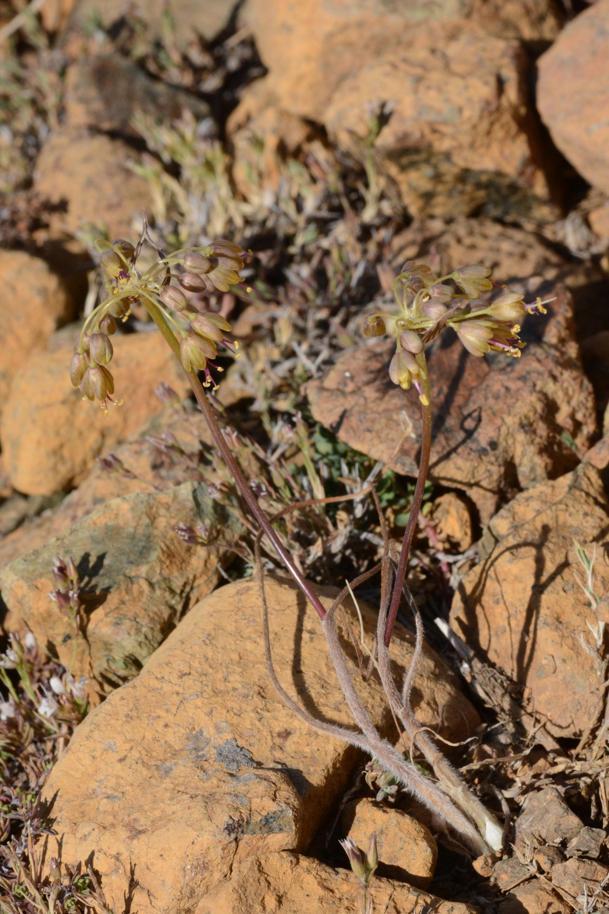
x=107 y=324
x=195 y=282
x=100 y=348
x=411 y=341
x=78 y=366
x=194 y=262
x=174 y=298
x=434 y=309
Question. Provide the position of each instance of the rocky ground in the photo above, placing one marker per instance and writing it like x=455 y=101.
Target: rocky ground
x=147 y=765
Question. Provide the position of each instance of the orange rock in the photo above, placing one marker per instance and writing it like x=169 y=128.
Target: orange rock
x=523 y=607
x=88 y=175
x=545 y=821
x=137 y=575
x=312 y=46
x=570 y=93
x=292 y=884
x=196 y=765
x=407 y=850
x=580 y=878
x=534 y=896
x=454 y=84
x=33 y=303
x=147 y=467
x=500 y=424
x=453 y=520
x=51 y=438
x=469 y=103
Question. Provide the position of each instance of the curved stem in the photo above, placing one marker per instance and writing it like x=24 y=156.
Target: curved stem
x=249 y=497
x=236 y=472
x=413 y=518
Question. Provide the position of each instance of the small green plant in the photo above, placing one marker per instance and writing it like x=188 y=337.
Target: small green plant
x=175 y=291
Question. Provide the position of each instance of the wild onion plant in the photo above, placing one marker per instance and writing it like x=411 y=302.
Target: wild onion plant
x=174 y=290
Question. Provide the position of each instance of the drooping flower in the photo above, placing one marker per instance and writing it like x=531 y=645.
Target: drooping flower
x=426 y=304
x=170 y=289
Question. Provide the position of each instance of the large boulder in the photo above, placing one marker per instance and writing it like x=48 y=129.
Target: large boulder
x=50 y=438
x=453 y=76
x=34 y=301
x=524 y=606
x=89 y=179
x=573 y=93
x=196 y=766
x=166 y=452
x=293 y=884
x=406 y=848
x=137 y=578
x=312 y=46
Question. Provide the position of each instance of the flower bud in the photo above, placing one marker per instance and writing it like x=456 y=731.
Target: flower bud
x=195 y=282
x=401 y=368
x=411 y=341
x=374 y=326
x=223 y=248
x=174 y=298
x=194 y=262
x=71 y=569
x=434 y=309
x=192 y=355
x=78 y=366
x=61 y=572
x=441 y=292
x=372 y=856
x=107 y=324
x=358 y=860
x=100 y=348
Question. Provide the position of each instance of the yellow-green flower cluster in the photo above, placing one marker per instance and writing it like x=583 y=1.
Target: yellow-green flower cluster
x=484 y=318
x=171 y=291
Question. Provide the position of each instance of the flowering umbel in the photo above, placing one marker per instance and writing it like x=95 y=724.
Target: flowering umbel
x=484 y=318
x=170 y=290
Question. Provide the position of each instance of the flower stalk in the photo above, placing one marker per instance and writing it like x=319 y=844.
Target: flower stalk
x=171 y=290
